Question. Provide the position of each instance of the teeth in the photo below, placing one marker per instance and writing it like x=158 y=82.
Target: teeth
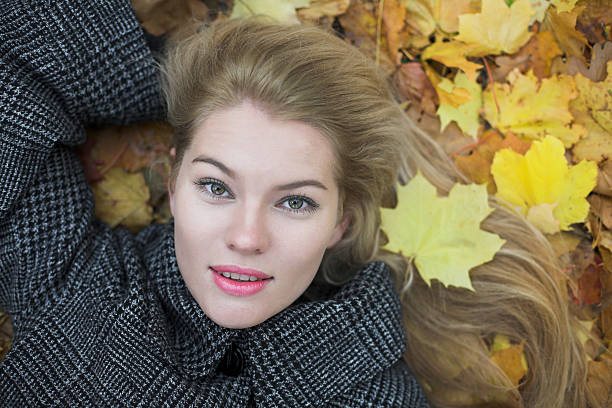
x=239 y=276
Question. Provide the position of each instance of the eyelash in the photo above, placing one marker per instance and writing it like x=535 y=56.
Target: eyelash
x=202 y=183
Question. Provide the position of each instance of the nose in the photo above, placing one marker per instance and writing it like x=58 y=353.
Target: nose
x=247 y=232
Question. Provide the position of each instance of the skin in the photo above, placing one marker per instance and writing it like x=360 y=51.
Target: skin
x=240 y=216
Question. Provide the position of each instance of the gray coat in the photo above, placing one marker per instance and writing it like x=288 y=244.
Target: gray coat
x=102 y=317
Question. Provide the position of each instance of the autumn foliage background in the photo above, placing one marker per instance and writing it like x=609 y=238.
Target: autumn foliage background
x=492 y=81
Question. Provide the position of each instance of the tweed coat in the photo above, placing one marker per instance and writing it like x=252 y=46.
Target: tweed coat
x=103 y=317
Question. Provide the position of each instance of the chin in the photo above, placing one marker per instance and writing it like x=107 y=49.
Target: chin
x=231 y=321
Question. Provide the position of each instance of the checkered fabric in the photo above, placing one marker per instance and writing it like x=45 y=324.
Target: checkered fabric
x=103 y=317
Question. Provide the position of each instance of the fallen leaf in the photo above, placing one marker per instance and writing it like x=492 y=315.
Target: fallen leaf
x=542 y=176
x=131 y=147
x=564 y=5
x=540 y=51
x=602 y=53
x=123 y=198
x=280 y=10
x=452 y=54
x=159 y=17
x=506 y=63
x=595 y=21
x=360 y=30
x=322 y=8
x=596 y=97
x=510 y=358
x=466 y=115
x=563 y=27
x=413 y=84
x=393 y=24
x=441 y=235
x=604 y=179
x=588 y=287
x=599 y=379
x=497 y=28
x=601 y=206
x=533 y=109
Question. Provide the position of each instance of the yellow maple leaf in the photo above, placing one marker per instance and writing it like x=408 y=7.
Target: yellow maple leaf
x=441 y=235
x=466 y=114
x=123 y=198
x=541 y=186
x=596 y=97
x=452 y=54
x=281 y=10
x=532 y=109
x=497 y=28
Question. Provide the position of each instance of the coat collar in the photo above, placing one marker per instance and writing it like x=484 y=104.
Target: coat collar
x=310 y=351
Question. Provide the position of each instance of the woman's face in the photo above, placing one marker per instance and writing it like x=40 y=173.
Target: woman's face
x=254 y=198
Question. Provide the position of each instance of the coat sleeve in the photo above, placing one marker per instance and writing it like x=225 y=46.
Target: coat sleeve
x=394 y=387
x=64 y=65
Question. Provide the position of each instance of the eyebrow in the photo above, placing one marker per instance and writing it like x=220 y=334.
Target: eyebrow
x=230 y=173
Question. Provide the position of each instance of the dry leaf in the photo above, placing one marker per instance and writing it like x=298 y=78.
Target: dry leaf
x=541 y=179
x=414 y=85
x=497 y=28
x=601 y=206
x=123 y=198
x=562 y=25
x=466 y=114
x=599 y=379
x=322 y=8
x=604 y=179
x=533 y=109
x=510 y=358
x=441 y=235
x=452 y=54
x=540 y=51
x=159 y=17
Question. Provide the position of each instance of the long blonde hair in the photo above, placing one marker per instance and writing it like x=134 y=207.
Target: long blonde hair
x=306 y=74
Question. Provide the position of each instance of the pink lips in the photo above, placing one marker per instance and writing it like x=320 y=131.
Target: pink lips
x=239 y=288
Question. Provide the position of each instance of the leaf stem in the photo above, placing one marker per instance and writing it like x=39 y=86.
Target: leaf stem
x=492 y=81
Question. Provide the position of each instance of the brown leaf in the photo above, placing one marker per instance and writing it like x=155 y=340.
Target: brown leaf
x=540 y=50
x=604 y=179
x=599 y=379
x=414 y=85
x=505 y=64
x=123 y=198
x=602 y=53
x=322 y=8
x=595 y=22
x=359 y=26
x=601 y=206
x=159 y=17
x=563 y=27
x=132 y=147
x=394 y=12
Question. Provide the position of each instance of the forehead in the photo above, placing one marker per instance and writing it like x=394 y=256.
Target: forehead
x=247 y=139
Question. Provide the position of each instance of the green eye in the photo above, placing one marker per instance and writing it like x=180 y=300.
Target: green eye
x=296 y=203
x=217 y=189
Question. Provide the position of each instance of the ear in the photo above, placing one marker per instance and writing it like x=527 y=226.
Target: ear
x=171 y=197
x=339 y=231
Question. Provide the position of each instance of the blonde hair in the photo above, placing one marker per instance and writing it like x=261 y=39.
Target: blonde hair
x=305 y=74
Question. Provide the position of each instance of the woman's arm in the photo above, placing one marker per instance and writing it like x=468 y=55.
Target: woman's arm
x=64 y=65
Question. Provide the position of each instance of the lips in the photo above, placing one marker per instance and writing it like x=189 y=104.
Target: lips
x=238 y=270
x=237 y=284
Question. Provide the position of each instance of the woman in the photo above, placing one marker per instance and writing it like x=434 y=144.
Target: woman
x=267 y=288
x=105 y=318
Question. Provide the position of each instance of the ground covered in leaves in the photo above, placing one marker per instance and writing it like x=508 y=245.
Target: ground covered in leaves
x=518 y=93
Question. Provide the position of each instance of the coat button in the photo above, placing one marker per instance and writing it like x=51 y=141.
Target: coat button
x=232 y=362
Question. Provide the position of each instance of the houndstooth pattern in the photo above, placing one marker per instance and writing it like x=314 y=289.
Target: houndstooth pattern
x=103 y=317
